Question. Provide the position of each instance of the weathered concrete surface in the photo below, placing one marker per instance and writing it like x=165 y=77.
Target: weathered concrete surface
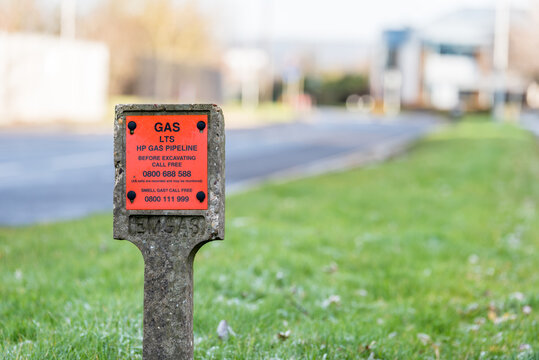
x=169 y=239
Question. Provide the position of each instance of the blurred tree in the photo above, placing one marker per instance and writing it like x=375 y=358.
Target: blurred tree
x=158 y=29
x=524 y=44
x=177 y=33
x=334 y=90
x=277 y=90
x=114 y=23
x=20 y=16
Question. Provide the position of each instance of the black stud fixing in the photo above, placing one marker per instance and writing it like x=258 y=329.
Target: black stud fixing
x=132 y=126
x=201 y=196
x=131 y=195
x=201 y=125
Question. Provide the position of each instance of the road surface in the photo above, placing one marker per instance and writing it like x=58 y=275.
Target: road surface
x=48 y=176
x=530 y=120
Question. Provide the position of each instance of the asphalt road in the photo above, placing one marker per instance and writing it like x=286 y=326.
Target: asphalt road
x=47 y=176
x=530 y=121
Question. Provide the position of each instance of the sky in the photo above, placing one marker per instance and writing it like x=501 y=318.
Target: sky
x=330 y=20
x=237 y=21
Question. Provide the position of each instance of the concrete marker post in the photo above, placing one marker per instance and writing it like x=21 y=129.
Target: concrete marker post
x=169 y=200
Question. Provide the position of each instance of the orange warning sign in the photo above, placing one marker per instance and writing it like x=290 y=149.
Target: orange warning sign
x=166 y=164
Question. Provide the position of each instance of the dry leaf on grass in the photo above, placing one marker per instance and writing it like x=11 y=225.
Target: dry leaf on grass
x=332 y=300
x=424 y=338
x=283 y=335
x=224 y=330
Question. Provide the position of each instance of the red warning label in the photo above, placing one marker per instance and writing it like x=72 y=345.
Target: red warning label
x=166 y=162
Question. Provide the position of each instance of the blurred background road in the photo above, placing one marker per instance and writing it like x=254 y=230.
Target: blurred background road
x=530 y=120
x=48 y=176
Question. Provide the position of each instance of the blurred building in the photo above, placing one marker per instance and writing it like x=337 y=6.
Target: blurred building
x=321 y=56
x=447 y=65
x=45 y=78
x=174 y=81
x=251 y=70
x=246 y=71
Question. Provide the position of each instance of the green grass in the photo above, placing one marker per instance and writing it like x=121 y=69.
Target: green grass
x=263 y=114
x=434 y=254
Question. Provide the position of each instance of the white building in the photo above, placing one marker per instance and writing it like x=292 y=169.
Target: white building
x=446 y=65
x=45 y=78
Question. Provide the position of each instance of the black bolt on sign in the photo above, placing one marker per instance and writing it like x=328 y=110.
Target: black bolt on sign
x=201 y=125
x=132 y=126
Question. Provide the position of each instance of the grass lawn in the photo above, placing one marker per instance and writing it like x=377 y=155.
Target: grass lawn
x=431 y=255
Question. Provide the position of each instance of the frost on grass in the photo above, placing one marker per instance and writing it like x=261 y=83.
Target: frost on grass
x=240 y=222
x=424 y=338
x=513 y=240
x=332 y=300
x=331 y=268
x=471 y=308
x=473 y=259
x=243 y=303
x=518 y=296
x=362 y=292
x=472 y=327
x=18 y=274
x=525 y=351
x=500 y=319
